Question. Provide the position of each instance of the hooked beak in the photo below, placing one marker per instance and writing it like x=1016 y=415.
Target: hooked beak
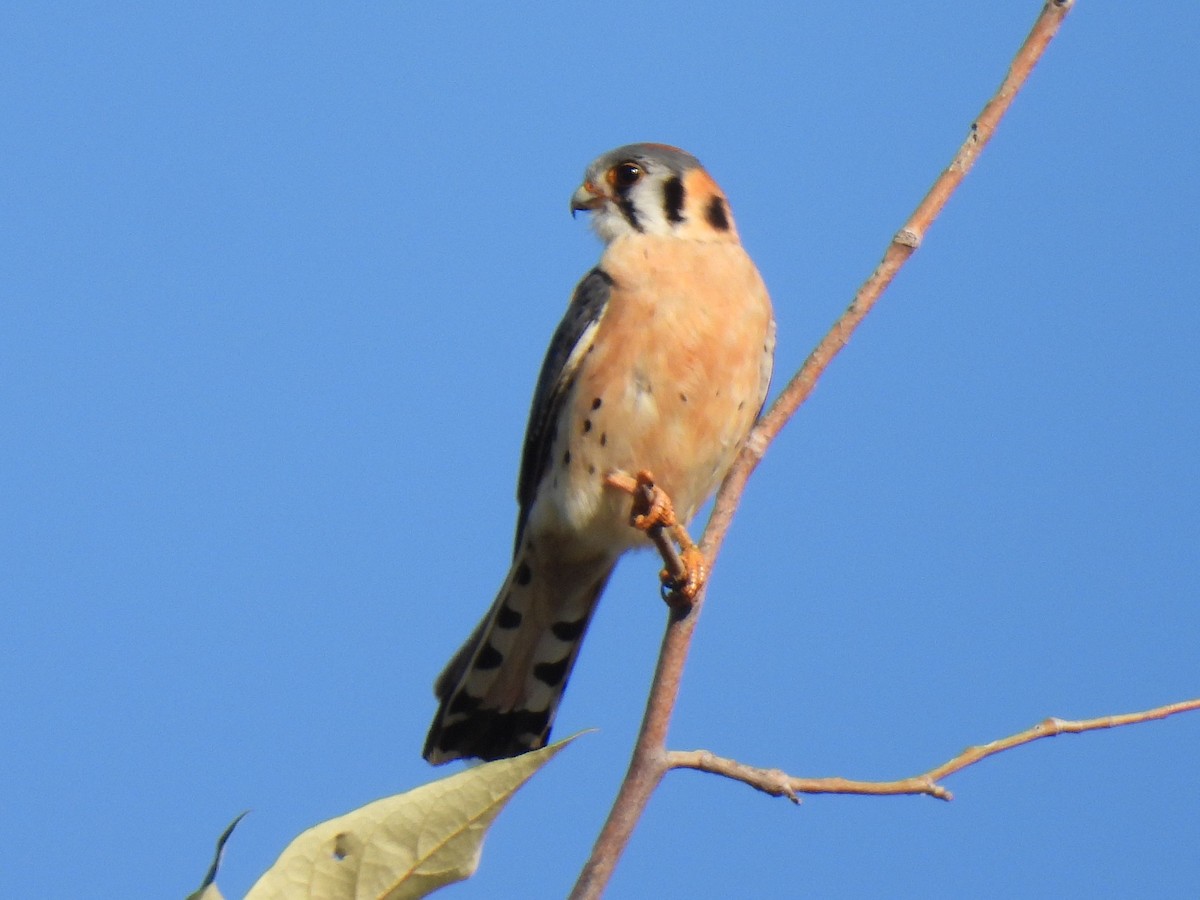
x=587 y=198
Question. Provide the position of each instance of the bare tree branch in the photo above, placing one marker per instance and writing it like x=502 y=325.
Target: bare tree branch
x=650 y=760
x=779 y=784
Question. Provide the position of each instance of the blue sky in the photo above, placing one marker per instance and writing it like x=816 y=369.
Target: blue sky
x=275 y=283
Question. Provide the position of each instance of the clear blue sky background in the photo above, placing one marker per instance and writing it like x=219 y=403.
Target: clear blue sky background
x=275 y=283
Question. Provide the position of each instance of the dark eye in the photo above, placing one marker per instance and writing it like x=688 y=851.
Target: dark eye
x=626 y=174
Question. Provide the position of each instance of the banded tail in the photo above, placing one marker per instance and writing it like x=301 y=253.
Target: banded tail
x=499 y=693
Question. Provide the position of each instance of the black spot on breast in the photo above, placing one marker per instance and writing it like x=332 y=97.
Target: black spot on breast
x=673 y=193
x=567 y=458
x=603 y=439
x=489 y=658
x=569 y=631
x=524 y=574
x=716 y=214
x=507 y=617
x=683 y=397
x=552 y=674
x=596 y=403
x=591 y=469
x=587 y=425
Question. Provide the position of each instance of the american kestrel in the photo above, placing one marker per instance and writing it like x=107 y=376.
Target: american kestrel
x=661 y=363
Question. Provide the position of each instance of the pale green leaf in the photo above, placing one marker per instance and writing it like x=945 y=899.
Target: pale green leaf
x=405 y=846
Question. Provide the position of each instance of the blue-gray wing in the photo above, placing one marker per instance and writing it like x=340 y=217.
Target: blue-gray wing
x=567 y=348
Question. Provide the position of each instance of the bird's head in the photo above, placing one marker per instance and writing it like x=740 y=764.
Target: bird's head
x=653 y=189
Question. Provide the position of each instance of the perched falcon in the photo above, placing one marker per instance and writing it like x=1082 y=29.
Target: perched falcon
x=661 y=363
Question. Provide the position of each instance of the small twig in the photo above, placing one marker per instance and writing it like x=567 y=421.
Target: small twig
x=775 y=782
x=779 y=784
x=649 y=762
x=1052 y=728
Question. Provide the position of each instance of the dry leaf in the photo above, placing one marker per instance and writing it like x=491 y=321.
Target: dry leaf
x=405 y=846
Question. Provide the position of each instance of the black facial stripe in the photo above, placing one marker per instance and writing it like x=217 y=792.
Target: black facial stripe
x=628 y=211
x=673 y=193
x=716 y=215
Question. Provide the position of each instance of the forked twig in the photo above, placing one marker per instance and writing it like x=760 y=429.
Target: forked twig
x=650 y=759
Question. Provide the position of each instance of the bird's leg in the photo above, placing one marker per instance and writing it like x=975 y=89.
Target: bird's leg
x=687 y=568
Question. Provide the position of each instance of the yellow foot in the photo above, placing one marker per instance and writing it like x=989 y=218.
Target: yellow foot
x=682 y=589
x=653 y=513
x=651 y=505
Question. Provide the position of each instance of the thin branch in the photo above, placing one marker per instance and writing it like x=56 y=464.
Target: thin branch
x=1052 y=728
x=775 y=782
x=779 y=784
x=649 y=761
x=902 y=246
